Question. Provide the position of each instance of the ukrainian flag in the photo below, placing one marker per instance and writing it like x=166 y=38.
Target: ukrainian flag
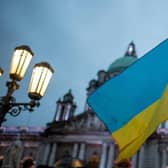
x=134 y=103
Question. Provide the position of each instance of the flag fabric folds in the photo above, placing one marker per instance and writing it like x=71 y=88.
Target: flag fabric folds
x=135 y=102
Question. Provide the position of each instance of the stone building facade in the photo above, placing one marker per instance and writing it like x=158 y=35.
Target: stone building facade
x=28 y=138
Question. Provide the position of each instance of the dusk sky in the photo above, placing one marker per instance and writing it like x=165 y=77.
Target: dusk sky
x=78 y=38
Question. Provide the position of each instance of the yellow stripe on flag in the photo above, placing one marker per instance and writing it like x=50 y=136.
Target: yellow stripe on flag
x=133 y=135
x=134 y=128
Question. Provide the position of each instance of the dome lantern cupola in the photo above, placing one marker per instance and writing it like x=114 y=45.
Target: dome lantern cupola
x=131 y=51
x=124 y=62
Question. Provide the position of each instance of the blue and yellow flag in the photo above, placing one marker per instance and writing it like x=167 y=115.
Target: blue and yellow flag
x=135 y=102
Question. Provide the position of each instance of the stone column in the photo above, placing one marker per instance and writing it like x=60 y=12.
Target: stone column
x=75 y=150
x=58 y=112
x=110 y=156
x=46 y=154
x=82 y=151
x=103 y=156
x=156 y=158
x=164 y=155
x=67 y=111
x=40 y=154
x=134 y=161
x=141 y=157
x=52 y=155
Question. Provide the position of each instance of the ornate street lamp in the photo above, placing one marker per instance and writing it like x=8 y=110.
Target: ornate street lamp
x=41 y=75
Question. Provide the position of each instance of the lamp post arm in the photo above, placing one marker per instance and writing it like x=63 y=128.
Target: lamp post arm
x=8 y=103
x=14 y=109
x=24 y=106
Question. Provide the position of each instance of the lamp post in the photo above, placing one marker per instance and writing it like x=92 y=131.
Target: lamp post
x=41 y=75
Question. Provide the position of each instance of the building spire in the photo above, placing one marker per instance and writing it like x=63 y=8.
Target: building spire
x=131 y=51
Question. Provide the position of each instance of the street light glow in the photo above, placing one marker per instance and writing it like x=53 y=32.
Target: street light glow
x=41 y=76
x=20 y=61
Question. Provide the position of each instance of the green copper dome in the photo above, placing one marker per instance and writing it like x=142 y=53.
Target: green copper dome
x=121 y=63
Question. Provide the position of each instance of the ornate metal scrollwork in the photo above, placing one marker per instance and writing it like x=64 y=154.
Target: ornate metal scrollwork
x=15 y=111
